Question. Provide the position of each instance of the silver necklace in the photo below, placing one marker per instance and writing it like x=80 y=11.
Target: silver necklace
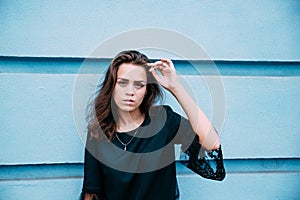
x=125 y=145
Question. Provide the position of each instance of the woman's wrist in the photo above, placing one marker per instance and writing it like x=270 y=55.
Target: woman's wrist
x=176 y=89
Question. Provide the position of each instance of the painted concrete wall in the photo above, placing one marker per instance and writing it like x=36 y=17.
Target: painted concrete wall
x=42 y=46
x=234 y=30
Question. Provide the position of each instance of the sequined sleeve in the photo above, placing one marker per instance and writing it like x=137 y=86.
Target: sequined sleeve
x=208 y=164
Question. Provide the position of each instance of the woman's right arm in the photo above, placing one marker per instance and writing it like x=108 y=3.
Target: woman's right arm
x=88 y=196
x=93 y=188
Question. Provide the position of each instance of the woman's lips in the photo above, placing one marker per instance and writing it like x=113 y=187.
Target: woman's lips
x=129 y=101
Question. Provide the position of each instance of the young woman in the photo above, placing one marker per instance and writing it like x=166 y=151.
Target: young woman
x=130 y=145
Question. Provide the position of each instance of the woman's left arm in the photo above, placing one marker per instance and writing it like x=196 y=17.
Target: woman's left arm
x=201 y=125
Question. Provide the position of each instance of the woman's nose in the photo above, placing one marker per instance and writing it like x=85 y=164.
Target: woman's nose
x=130 y=90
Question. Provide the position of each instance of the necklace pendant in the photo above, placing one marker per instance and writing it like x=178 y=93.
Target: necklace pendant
x=127 y=142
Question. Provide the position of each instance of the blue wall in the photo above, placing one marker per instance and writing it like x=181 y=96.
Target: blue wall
x=255 y=47
x=231 y=30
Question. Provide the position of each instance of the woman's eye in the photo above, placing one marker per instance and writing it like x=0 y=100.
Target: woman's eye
x=139 y=85
x=122 y=83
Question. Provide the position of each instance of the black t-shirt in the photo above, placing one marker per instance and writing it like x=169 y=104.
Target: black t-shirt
x=146 y=170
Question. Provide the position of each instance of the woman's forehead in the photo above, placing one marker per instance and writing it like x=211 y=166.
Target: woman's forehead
x=128 y=70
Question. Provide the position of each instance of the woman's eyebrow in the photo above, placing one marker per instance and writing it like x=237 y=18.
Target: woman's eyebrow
x=142 y=81
x=124 y=79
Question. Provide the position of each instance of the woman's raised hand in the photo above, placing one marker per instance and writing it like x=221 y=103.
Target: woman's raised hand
x=168 y=76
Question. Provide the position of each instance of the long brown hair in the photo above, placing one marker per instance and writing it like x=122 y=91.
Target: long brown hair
x=101 y=116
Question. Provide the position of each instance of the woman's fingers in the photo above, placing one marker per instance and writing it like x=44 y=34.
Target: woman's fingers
x=168 y=62
x=155 y=75
x=161 y=65
x=166 y=76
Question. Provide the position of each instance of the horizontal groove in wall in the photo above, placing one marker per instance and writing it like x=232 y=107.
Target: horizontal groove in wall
x=41 y=171
x=75 y=170
x=70 y=65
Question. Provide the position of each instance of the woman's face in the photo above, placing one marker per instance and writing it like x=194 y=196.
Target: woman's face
x=130 y=87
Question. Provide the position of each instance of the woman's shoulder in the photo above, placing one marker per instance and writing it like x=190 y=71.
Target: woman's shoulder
x=164 y=115
x=160 y=110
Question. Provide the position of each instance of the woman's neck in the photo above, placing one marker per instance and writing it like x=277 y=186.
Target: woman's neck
x=129 y=121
